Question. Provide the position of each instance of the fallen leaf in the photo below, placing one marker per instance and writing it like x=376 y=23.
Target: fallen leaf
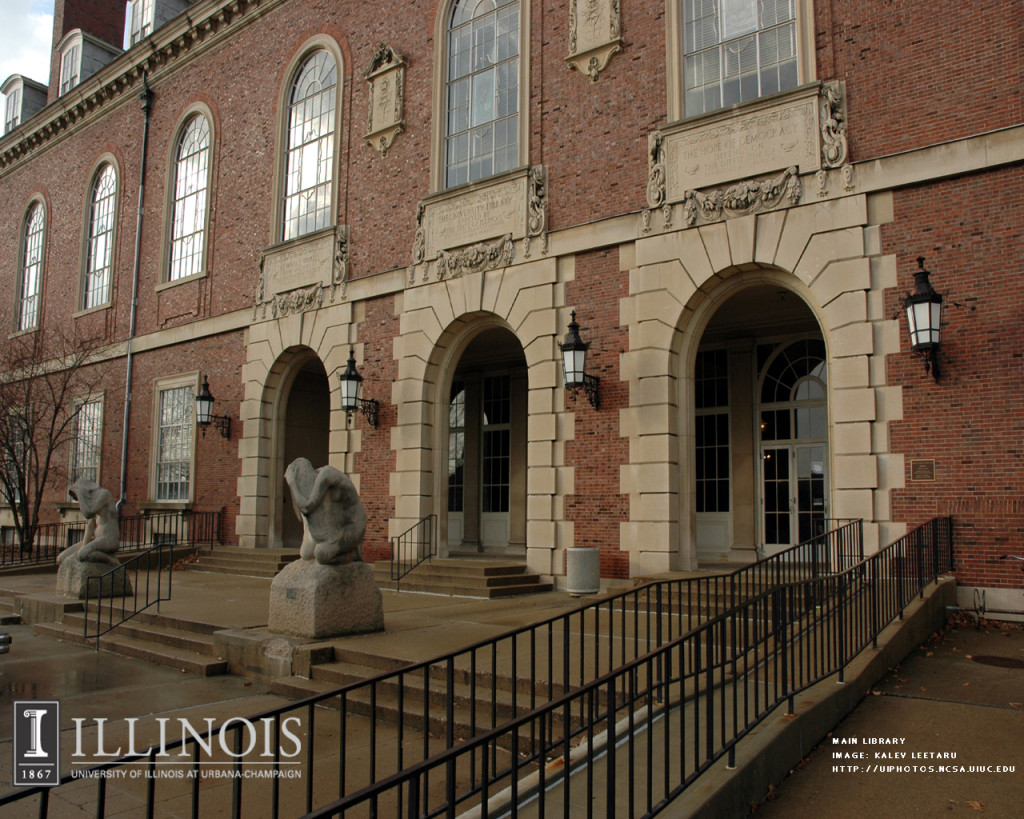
x=966 y=684
x=978 y=806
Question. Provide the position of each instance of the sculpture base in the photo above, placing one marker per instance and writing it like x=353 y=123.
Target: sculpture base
x=313 y=600
x=73 y=579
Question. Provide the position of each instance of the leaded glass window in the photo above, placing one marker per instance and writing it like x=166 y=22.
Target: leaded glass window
x=309 y=172
x=174 y=444
x=737 y=50
x=99 y=256
x=191 y=183
x=482 y=131
x=88 y=435
x=31 y=269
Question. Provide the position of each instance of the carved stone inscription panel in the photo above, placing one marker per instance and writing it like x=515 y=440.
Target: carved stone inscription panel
x=475 y=215
x=742 y=146
x=299 y=263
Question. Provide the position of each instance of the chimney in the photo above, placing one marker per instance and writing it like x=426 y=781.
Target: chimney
x=99 y=19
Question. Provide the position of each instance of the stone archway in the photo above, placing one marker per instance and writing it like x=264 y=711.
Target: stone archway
x=760 y=469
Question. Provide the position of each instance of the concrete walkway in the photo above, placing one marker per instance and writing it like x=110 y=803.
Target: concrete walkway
x=939 y=701
x=955 y=707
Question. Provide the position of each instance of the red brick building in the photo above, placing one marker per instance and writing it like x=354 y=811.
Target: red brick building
x=730 y=195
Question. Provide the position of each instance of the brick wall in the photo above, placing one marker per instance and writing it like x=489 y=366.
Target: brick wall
x=377 y=461
x=970 y=421
x=597 y=508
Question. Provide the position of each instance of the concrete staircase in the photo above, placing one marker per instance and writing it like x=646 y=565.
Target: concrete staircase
x=247 y=562
x=181 y=644
x=473 y=707
x=465 y=577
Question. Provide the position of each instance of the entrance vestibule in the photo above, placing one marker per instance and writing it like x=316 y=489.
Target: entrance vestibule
x=486 y=448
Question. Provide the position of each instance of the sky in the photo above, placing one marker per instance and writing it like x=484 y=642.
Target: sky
x=26 y=27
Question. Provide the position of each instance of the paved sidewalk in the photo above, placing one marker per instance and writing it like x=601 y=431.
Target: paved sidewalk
x=948 y=698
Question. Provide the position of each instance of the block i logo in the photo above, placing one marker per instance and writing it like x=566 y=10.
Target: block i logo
x=36 y=743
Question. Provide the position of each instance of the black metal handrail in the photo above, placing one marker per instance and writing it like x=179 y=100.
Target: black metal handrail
x=136 y=532
x=139 y=583
x=411 y=714
x=411 y=548
x=692 y=700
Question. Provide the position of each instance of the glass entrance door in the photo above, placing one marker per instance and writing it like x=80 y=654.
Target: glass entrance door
x=794 y=444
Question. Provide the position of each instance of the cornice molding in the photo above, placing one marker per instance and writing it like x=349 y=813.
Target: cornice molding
x=194 y=31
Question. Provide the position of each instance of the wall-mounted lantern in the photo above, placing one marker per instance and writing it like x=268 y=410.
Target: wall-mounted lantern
x=351 y=384
x=574 y=364
x=204 y=413
x=924 y=317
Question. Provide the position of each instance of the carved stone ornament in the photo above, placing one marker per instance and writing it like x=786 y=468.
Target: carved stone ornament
x=537 y=209
x=479 y=216
x=386 y=98
x=834 y=148
x=481 y=256
x=301 y=274
x=594 y=35
x=742 y=198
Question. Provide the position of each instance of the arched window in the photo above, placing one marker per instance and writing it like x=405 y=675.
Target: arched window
x=309 y=164
x=31 y=268
x=99 y=254
x=482 y=92
x=191 y=182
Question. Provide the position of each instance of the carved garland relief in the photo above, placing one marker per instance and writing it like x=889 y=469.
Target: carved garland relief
x=299 y=275
x=803 y=134
x=386 y=98
x=594 y=35
x=476 y=229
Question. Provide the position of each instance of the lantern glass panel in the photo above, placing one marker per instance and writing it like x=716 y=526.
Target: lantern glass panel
x=349 y=393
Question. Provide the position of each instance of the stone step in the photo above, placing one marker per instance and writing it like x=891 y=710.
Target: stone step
x=10 y=619
x=247 y=562
x=466 y=577
x=188 y=661
x=169 y=636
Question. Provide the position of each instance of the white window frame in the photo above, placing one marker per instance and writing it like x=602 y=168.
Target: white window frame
x=141 y=20
x=87 y=444
x=101 y=230
x=12 y=110
x=166 y=452
x=676 y=59
x=31 y=267
x=70 y=65
x=189 y=189
x=440 y=125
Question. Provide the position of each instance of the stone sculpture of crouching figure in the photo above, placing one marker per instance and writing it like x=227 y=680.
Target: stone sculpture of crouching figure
x=333 y=518
x=102 y=536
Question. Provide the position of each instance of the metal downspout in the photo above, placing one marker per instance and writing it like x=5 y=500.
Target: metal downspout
x=146 y=99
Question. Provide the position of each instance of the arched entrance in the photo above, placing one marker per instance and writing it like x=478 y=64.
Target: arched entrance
x=760 y=476
x=304 y=426
x=484 y=509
